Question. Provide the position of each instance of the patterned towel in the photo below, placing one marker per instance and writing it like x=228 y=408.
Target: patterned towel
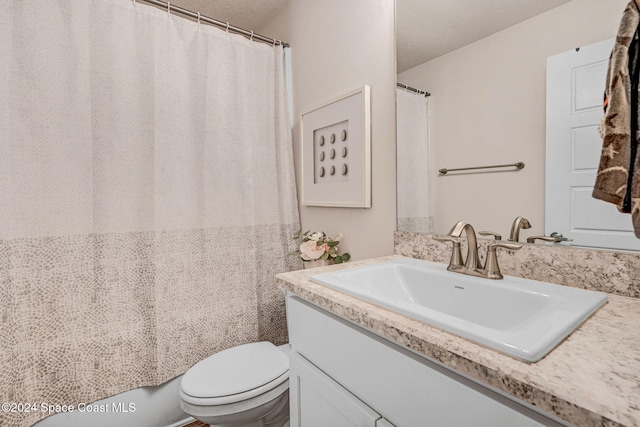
x=618 y=179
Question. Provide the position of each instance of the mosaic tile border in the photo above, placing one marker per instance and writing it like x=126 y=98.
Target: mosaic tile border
x=90 y=316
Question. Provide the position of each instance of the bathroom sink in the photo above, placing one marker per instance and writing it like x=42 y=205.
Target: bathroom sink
x=523 y=318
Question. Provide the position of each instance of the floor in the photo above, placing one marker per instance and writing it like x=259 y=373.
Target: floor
x=196 y=424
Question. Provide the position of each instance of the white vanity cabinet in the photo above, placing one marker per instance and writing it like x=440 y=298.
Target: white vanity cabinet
x=343 y=375
x=320 y=402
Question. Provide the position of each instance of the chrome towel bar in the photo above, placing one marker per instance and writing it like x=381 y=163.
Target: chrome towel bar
x=518 y=166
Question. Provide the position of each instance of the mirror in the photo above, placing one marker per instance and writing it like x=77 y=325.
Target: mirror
x=484 y=64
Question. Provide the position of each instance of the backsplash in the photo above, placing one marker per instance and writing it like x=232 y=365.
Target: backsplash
x=598 y=270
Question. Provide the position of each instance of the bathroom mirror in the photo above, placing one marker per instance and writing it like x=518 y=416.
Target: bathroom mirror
x=485 y=64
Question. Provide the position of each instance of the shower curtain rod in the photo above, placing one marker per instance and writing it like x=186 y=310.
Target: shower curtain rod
x=413 y=89
x=201 y=18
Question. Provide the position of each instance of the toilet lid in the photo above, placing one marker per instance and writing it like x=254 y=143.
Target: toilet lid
x=235 y=370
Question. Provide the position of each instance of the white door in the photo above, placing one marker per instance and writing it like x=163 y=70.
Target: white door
x=575 y=87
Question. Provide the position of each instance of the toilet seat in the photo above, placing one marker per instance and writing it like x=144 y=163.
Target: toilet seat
x=235 y=375
x=238 y=397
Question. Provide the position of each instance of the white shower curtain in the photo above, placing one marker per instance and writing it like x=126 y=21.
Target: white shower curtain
x=415 y=210
x=147 y=197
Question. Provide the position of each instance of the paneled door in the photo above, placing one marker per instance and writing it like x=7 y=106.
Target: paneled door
x=575 y=87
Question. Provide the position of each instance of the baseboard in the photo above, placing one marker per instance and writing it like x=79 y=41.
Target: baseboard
x=183 y=423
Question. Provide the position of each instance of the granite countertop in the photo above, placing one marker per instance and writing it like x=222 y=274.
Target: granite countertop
x=591 y=379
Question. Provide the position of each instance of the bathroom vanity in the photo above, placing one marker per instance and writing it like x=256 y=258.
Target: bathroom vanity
x=336 y=366
x=355 y=363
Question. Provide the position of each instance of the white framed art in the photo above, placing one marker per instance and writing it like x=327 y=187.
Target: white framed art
x=336 y=152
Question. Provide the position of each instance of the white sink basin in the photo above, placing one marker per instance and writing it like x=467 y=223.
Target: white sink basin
x=523 y=318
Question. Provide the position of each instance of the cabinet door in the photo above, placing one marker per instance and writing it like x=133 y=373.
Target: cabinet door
x=383 y=423
x=318 y=401
x=401 y=386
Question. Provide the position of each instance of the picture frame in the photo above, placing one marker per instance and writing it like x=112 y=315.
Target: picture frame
x=336 y=152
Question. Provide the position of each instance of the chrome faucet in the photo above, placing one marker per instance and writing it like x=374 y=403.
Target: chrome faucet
x=518 y=223
x=472 y=265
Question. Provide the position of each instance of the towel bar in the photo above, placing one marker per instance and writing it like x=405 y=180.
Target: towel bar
x=518 y=166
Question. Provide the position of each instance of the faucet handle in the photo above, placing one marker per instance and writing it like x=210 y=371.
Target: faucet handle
x=510 y=246
x=456 y=254
x=491 y=267
x=491 y=233
x=554 y=237
x=453 y=239
x=533 y=239
x=559 y=237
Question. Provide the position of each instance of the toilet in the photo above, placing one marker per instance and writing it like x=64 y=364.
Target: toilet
x=243 y=386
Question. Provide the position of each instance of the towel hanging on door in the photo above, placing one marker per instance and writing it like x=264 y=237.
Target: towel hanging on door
x=618 y=178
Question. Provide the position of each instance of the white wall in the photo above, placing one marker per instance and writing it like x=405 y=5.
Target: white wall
x=488 y=107
x=337 y=47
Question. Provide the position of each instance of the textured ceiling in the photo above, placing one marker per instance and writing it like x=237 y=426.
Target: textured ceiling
x=426 y=29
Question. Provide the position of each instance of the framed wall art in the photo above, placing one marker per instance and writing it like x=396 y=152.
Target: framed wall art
x=336 y=152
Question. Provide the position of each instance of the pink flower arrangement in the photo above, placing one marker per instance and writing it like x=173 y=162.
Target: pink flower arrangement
x=317 y=246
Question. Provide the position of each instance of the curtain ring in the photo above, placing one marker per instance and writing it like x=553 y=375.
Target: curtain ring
x=274 y=43
x=198 y=18
x=227 y=30
x=169 y=7
x=251 y=36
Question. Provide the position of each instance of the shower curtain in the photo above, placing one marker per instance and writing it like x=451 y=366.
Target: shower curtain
x=414 y=183
x=147 y=198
